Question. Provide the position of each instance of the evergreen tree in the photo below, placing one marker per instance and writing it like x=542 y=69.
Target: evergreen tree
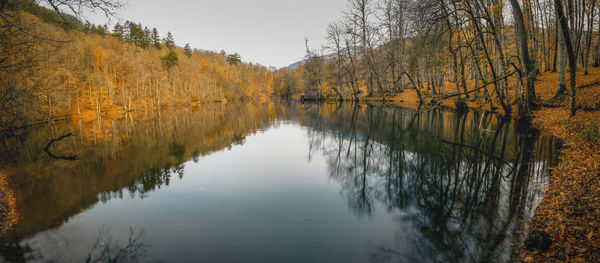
x=170 y=59
x=234 y=58
x=169 y=42
x=146 y=39
x=129 y=33
x=87 y=27
x=187 y=50
x=118 y=31
x=155 y=38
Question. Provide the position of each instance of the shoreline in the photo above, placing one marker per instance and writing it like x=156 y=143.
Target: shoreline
x=570 y=209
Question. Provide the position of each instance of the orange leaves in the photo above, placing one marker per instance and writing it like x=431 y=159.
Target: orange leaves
x=570 y=210
x=8 y=210
x=99 y=58
x=203 y=65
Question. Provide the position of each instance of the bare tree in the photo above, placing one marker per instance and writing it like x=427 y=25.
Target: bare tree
x=569 y=45
x=359 y=15
x=524 y=49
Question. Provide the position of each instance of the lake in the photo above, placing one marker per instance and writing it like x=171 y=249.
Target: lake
x=275 y=182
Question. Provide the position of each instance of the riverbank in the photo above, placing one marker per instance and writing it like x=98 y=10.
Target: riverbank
x=570 y=210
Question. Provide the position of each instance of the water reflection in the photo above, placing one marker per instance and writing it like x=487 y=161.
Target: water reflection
x=466 y=182
x=137 y=154
x=456 y=187
x=106 y=249
x=109 y=246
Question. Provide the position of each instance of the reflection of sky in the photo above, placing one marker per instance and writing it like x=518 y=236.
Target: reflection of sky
x=240 y=205
x=472 y=230
x=245 y=204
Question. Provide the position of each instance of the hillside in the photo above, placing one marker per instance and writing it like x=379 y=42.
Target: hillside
x=53 y=68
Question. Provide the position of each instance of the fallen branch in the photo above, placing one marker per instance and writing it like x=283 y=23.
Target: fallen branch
x=473 y=90
x=589 y=85
x=47 y=149
x=551 y=105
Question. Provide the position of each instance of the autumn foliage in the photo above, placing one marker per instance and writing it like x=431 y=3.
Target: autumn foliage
x=90 y=73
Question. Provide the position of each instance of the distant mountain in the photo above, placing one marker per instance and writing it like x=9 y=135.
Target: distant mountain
x=326 y=56
x=294 y=65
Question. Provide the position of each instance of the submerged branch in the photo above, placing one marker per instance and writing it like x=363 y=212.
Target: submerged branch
x=47 y=149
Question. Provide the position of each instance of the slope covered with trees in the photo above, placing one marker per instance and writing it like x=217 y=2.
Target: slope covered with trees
x=53 y=66
x=492 y=50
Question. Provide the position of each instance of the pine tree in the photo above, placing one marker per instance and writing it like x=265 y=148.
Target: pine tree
x=170 y=59
x=118 y=31
x=87 y=27
x=187 y=50
x=146 y=40
x=155 y=38
x=234 y=58
x=169 y=42
x=129 y=35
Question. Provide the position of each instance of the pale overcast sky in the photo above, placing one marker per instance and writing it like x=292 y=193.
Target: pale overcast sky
x=268 y=32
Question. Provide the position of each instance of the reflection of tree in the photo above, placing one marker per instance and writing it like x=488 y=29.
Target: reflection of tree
x=136 y=154
x=155 y=178
x=105 y=249
x=462 y=180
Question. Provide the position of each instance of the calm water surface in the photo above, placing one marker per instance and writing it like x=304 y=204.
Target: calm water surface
x=276 y=182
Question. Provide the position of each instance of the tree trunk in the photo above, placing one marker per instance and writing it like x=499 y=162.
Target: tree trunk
x=524 y=48
x=562 y=64
x=590 y=31
x=567 y=37
x=597 y=52
x=556 y=40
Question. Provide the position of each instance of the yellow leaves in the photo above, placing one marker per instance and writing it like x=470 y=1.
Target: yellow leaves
x=203 y=65
x=262 y=97
x=571 y=207
x=99 y=58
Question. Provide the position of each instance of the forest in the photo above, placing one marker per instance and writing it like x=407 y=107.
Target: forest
x=55 y=67
x=486 y=50
x=106 y=88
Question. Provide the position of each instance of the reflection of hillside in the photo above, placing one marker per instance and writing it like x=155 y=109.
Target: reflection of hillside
x=459 y=184
x=138 y=155
x=464 y=182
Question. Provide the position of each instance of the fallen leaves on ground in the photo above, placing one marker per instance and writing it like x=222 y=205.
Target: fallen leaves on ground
x=570 y=210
